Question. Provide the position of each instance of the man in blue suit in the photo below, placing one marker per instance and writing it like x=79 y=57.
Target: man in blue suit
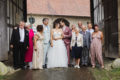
x=46 y=40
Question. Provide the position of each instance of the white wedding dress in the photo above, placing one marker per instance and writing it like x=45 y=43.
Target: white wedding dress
x=57 y=55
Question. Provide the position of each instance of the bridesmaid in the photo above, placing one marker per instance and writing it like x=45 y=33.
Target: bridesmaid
x=38 y=48
x=96 y=47
x=29 y=52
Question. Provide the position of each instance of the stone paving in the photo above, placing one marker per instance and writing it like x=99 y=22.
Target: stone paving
x=53 y=74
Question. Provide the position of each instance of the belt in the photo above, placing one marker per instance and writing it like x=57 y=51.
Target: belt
x=21 y=43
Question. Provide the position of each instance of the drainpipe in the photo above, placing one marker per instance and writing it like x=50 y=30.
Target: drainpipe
x=92 y=11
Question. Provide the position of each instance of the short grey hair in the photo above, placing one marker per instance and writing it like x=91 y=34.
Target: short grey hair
x=77 y=28
x=27 y=24
x=83 y=26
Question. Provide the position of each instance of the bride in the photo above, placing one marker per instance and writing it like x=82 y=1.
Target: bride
x=57 y=54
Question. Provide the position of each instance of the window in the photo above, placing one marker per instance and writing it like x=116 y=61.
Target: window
x=14 y=11
x=11 y=13
x=14 y=14
x=95 y=3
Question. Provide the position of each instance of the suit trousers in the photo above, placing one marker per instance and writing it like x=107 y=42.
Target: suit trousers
x=19 y=55
x=85 y=56
x=46 y=47
x=68 y=52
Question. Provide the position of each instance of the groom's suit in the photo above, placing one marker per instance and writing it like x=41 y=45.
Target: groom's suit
x=67 y=39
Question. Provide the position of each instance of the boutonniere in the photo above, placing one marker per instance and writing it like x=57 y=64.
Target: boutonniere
x=27 y=34
x=66 y=31
x=15 y=27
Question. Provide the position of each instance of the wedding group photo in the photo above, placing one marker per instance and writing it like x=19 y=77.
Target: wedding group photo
x=51 y=48
x=59 y=39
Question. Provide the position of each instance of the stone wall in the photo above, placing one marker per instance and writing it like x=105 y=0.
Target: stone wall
x=72 y=20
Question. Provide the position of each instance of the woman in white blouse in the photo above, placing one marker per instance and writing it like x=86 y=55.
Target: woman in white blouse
x=76 y=46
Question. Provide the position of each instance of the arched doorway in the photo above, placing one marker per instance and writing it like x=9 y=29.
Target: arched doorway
x=67 y=23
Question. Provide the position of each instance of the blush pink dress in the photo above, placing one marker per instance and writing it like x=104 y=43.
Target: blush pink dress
x=96 y=49
x=29 y=52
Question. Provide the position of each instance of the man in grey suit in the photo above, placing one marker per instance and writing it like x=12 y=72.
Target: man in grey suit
x=86 y=46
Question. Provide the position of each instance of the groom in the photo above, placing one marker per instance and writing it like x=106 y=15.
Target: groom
x=46 y=40
x=67 y=37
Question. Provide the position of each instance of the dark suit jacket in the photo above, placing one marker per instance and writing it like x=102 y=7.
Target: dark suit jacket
x=15 y=38
x=88 y=38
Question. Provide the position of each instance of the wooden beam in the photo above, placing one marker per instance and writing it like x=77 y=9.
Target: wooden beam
x=119 y=26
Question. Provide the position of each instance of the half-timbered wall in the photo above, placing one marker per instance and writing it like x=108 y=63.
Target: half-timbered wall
x=11 y=13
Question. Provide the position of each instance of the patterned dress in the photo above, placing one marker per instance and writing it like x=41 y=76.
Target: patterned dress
x=38 y=55
x=96 y=49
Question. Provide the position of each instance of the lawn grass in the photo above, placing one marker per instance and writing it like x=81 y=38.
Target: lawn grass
x=3 y=77
x=101 y=74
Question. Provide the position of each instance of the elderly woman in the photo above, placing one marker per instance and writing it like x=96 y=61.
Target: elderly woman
x=29 y=52
x=73 y=28
x=96 y=47
x=76 y=46
x=72 y=53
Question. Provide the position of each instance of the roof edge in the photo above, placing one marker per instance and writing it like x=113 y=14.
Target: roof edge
x=59 y=15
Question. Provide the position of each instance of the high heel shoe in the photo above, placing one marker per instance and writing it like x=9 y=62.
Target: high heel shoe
x=102 y=67
x=93 y=67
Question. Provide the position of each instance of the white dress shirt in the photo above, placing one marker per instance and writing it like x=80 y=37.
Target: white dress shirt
x=64 y=27
x=22 y=34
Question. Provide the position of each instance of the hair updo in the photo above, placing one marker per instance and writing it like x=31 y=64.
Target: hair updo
x=40 y=28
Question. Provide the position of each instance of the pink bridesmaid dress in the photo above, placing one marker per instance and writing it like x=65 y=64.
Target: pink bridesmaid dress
x=96 y=49
x=29 y=52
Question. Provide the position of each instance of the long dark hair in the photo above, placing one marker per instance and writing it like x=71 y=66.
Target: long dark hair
x=67 y=23
x=54 y=24
x=95 y=25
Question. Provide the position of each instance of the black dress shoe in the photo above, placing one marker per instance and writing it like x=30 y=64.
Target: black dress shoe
x=70 y=65
x=16 y=68
x=45 y=66
x=82 y=64
x=86 y=64
x=23 y=67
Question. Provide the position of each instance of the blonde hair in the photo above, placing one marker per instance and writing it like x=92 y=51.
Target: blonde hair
x=77 y=28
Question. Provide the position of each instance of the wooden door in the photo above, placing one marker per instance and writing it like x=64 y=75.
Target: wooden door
x=111 y=28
